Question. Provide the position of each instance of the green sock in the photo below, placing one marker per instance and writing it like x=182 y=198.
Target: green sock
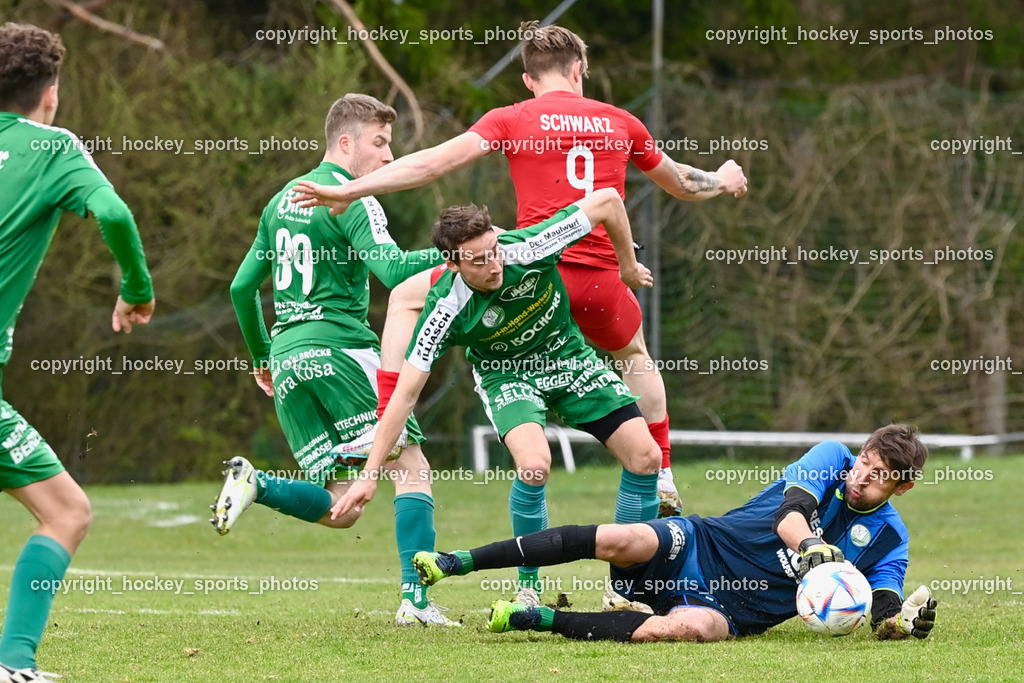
x=414 y=531
x=529 y=512
x=293 y=497
x=42 y=563
x=467 y=561
x=638 y=498
x=533 y=619
x=530 y=579
x=415 y=593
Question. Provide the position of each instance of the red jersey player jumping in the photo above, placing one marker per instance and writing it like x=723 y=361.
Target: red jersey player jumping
x=561 y=146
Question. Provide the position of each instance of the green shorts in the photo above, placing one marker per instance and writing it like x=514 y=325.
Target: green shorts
x=326 y=397
x=24 y=457
x=574 y=383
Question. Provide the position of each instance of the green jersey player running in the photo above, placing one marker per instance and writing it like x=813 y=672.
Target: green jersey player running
x=43 y=171
x=503 y=298
x=321 y=364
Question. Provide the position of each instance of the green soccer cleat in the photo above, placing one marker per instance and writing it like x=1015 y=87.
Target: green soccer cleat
x=500 y=620
x=432 y=567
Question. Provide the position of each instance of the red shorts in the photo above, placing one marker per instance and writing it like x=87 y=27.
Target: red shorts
x=602 y=305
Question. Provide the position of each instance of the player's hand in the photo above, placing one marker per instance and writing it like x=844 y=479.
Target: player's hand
x=917 y=617
x=358 y=495
x=733 y=180
x=311 y=194
x=126 y=314
x=813 y=551
x=636 y=276
x=264 y=379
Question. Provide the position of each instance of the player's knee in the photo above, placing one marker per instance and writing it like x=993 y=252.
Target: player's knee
x=533 y=470
x=695 y=624
x=645 y=461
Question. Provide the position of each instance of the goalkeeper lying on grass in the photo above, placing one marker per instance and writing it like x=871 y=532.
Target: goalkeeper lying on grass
x=706 y=579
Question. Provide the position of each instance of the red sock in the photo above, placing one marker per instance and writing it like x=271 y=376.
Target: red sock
x=659 y=430
x=386 y=381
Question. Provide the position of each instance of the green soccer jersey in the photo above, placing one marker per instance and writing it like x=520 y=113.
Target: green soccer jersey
x=320 y=265
x=528 y=317
x=44 y=170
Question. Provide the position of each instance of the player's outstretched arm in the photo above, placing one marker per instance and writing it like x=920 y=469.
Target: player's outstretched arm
x=412 y=170
x=410 y=383
x=692 y=184
x=605 y=206
x=117 y=225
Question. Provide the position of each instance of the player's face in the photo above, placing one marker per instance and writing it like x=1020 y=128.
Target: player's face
x=372 y=149
x=871 y=482
x=480 y=263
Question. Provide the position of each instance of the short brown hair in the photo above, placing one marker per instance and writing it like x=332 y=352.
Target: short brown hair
x=899 y=448
x=30 y=59
x=551 y=49
x=456 y=226
x=349 y=113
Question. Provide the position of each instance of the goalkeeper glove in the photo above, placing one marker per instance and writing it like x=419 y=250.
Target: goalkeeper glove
x=814 y=551
x=917 y=617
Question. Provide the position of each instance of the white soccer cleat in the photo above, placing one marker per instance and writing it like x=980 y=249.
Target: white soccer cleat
x=669 y=502
x=613 y=602
x=9 y=675
x=527 y=596
x=238 y=493
x=356 y=451
x=410 y=615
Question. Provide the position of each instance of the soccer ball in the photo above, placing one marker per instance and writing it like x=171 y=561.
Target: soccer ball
x=834 y=599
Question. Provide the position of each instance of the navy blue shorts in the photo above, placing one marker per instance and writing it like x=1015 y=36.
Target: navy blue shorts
x=673 y=577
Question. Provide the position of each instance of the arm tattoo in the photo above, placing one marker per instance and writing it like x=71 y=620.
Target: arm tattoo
x=696 y=181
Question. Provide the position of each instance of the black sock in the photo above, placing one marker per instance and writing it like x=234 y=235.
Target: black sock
x=540 y=549
x=599 y=625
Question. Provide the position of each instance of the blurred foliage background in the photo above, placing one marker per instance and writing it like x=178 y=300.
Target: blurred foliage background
x=836 y=138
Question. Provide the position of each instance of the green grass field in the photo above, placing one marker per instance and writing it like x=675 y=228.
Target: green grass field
x=328 y=617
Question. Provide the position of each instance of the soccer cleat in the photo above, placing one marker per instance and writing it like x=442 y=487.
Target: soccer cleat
x=9 y=675
x=355 y=452
x=669 y=502
x=238 y=493
x=409 y=615
x=432 y=567
x=501 y=615
x=613 y=602
x=527 y=596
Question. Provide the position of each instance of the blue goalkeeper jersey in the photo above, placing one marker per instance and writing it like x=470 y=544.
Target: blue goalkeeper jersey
x=752 y=572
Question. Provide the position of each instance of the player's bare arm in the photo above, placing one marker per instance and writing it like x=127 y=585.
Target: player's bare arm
x=692 y=184
x=413 y=170
x=605 y=206
x=407 y=391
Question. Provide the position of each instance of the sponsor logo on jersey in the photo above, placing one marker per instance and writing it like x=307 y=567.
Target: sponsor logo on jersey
x=492 y=316
x=499 y=346
x=524 y=289
x=678 y=540
x=378 y=221
x=292 y=212
x=432 y=332
x=859 y=535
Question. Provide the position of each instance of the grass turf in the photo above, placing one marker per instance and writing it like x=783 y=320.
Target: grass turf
x=328 y=597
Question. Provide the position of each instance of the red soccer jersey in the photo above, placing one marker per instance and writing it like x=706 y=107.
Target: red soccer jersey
x=562 y=146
